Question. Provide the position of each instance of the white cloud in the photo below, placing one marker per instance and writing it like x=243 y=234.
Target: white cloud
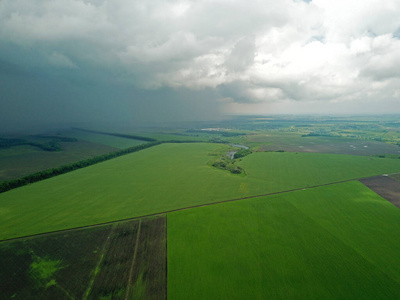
x=335 y=51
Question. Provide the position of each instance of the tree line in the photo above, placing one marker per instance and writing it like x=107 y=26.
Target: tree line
x=126 y=136
x=12 y=184
x=52 y=145
x=45 y=174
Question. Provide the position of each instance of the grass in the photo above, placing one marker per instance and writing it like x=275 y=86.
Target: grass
x=44 y=268
x=333 y=242
x=163 y=178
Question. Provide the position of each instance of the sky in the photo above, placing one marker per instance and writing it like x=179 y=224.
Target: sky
x=122 y=61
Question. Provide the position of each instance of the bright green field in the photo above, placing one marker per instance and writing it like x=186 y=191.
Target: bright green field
x=163 y=178
x=333 y=242
x=276 y=171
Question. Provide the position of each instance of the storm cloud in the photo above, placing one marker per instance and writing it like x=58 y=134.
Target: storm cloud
x=70 y=61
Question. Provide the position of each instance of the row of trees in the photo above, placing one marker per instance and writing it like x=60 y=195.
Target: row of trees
x=218 y=132
x=222 y=163
x=126 y=136
x=8 y=185
x=52 y=145
x=7 y=143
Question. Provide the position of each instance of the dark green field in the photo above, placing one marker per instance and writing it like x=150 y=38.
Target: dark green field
x=119 y=261
x=20 y=161
x=102 y=139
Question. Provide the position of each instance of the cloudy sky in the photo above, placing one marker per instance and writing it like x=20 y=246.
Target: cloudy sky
x=65 y=61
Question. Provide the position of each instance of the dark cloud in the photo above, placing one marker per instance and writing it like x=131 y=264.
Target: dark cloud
x=70 y=61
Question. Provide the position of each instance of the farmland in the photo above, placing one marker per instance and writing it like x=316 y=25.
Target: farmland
x=301 y=219
x=119 y=188
x=103 y=139
x=340 y=135
x=199 y=150
x=23 y=160
x=316 y=144
x=334 y=242
x=384 y=186
x=78 y=264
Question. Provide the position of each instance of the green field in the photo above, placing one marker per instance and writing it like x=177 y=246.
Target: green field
x=294 y=142
x=19 y=161
x=77 y=264
x=333 y=242
x=276 y=171
x=163 y=178
x=103 y=139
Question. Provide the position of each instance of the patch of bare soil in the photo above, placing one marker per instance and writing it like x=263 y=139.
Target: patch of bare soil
x=396 y=176
x=384 y=186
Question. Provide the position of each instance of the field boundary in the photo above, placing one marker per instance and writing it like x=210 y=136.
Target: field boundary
x=188 y=207
x=49 y=173
x=125 y=136
x=384 y=186
x=166 y=256
x=97 y=268
x=8 y=185
x=128 y=287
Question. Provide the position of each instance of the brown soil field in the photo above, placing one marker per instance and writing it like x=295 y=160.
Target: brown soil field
x=384 y=186
x=19 y=161
x=89 y=263
x=350 y=148
x=396 y=176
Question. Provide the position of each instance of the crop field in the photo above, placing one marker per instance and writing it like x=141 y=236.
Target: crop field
x=145 y=182
x=352 y=147
x=281 y=139
x=102 y=139
x=133 y=262
x=177 y=136
x=395 y=177
x=285 y=130
x=302 y=224
x=276 y=171
x=294 y=142
x=333 y=242
x=20 y=161
x=384 y=186
x=121 y=261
